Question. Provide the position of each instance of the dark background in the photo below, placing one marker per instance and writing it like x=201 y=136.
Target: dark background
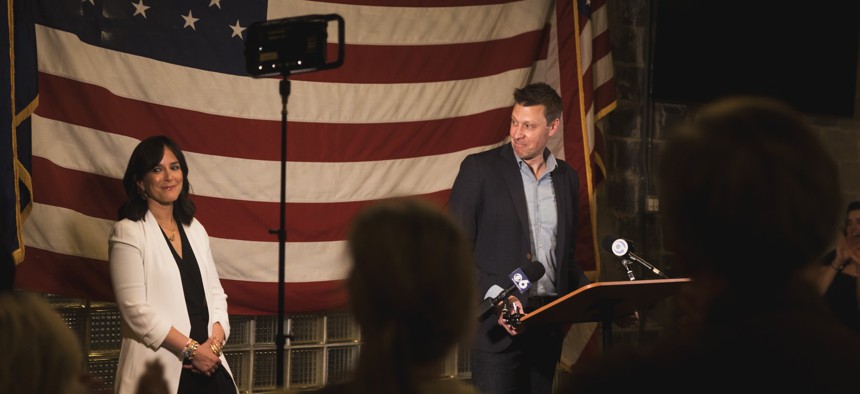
x=804 y=53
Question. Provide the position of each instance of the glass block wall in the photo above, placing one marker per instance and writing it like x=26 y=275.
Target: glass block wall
x=321 y=348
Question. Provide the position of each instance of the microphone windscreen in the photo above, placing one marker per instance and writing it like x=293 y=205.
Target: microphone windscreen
x=534 y=270
x=493 y=292
x=607 y=242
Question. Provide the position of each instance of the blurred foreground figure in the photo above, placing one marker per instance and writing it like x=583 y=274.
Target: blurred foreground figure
x=40 y=353
x=750 y=201
x=412 y=292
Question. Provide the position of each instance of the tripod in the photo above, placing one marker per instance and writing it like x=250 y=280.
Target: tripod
x=281 y=231
x=275 y=47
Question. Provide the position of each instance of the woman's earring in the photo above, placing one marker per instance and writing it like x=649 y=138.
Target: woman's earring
x=143 y=194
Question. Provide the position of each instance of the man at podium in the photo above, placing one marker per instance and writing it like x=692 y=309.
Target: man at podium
x=518 y=203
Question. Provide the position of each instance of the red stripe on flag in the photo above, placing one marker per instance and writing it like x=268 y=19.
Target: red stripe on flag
x=89 y=279
x=223 y=218
x=73 y=102
x=306 y=222
x=72 y=276
x=74 y=190
x=256 y=298
x=432 y=63
x=600 y=45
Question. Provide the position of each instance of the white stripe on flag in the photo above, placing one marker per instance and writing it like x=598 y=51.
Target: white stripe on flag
x=368 y=25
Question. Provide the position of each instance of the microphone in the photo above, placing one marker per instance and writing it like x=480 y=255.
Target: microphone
x=522 y=279
x=624 y=248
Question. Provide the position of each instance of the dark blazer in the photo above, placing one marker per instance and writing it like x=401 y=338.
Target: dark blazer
x=488 y=199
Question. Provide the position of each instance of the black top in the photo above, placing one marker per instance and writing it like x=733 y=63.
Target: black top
x=198 y=314
x=841 y=297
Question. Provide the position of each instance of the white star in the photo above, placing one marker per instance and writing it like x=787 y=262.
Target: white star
x=189 y=20
x=215 y=2
x=237 y=30
x=140 y=9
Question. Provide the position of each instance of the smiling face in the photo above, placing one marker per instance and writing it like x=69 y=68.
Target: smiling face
x=530 y=131
x=163 y=183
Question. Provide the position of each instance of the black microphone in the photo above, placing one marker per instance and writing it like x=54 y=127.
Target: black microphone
x=624 y=248
x=522 y=277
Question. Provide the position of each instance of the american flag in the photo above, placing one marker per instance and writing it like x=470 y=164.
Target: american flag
x=422 y=86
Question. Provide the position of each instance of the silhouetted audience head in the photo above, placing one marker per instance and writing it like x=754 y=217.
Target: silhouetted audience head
x=412 y=290
x=748 y=191
x=750 y=200
x=152 y=381
x=40 y=352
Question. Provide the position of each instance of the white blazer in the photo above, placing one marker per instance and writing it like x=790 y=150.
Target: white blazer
x=149 y=296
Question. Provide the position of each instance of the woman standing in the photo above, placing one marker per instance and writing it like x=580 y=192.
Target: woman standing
x=840 y=272
x=167 y=289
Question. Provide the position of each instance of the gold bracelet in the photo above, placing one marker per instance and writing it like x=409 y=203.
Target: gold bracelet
x=218 y=341
x=190 y=349
x=215 y=349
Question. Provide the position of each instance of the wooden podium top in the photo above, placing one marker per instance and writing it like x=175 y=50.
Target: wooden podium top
x=605 y=300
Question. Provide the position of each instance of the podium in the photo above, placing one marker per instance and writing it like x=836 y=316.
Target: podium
x=604 y=302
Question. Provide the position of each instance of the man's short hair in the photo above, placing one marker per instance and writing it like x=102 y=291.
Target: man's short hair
x=540 y=93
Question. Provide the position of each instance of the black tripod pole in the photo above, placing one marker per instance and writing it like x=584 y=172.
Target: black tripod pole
x=280 y=338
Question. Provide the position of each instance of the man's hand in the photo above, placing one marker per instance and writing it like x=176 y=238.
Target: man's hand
x=510 y=308
x=847 y=252
x=843 y=251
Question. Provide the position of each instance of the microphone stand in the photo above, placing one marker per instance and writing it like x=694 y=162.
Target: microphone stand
x=647 y=265
x=627 y=263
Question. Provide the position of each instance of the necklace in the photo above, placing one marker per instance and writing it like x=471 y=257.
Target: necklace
x=172 y=236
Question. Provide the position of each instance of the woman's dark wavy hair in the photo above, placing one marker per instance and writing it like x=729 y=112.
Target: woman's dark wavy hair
x=145 y=157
